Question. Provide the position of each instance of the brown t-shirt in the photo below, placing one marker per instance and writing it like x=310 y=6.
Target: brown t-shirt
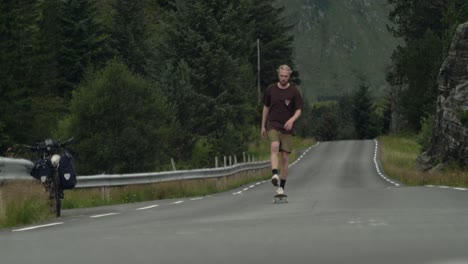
x=283 y=103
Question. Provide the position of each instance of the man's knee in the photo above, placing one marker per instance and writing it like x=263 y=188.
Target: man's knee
x=275 y=147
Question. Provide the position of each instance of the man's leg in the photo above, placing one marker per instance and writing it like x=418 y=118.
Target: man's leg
x=284 y=168
x=274 y=162
x=286 y=148
x=273 y=135
x=274 y=154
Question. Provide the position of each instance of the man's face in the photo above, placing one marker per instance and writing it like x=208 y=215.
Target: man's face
x=283 y=77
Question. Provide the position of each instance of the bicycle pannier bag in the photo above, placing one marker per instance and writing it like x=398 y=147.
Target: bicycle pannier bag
x=67 y=171
x=40 y=169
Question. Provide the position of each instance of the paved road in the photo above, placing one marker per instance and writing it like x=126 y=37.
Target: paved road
x=340 y=211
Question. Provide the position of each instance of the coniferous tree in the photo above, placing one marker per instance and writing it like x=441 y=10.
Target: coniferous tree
x=366 y=122
x=130 y=34
x=83 y=43
x=276 y=43
x=19 y=76
x=212 y=38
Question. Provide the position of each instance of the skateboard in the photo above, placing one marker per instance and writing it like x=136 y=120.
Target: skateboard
x=280 y=198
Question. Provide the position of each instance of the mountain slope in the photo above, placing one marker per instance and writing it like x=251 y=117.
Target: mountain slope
x=336 y=41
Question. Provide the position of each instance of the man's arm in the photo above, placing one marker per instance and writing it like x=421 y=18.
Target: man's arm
x=264 y=118
x=289 y=124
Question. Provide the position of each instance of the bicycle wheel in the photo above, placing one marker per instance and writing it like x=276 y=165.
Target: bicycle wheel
x=57 y=189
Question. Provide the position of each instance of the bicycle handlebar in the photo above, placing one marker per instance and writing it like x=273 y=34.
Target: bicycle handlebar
x=48 y=143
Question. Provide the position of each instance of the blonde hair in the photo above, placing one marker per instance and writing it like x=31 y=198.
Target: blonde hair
x=284 y=67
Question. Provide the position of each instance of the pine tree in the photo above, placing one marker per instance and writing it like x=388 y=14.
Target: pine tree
x=130 y=34
x=276 y=43
x=366 y=123
x=83 y=43
x=214 y=40
x=18 y=77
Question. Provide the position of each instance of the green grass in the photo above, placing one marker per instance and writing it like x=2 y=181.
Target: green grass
x=398 y=157
x=22 y=202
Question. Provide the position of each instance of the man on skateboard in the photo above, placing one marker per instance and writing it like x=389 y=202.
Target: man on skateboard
x=282 y=104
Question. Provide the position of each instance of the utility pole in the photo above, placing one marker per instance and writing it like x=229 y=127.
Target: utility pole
x=258 y=71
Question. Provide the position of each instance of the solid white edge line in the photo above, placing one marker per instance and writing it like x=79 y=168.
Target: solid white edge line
x=35 y=227
x=396 y=184
x=377 y=165
x=103 y=215
x=148 y=207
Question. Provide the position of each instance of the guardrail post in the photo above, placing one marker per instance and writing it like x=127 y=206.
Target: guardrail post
x=216 y=162
x=235 y=159
x=243 y=156
x=173 y=164
x=224 y=161
x=230 y=160
x=105 y=194
x=2 y=208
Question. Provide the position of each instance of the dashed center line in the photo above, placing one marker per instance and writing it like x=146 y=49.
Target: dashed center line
x=35 y=227
x=178 y=202
x=148 y=207
x=103 y=215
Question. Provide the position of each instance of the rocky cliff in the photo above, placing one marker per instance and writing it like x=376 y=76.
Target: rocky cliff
x=449 y=141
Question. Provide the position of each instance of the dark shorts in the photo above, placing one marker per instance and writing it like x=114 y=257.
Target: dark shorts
x=285 y=140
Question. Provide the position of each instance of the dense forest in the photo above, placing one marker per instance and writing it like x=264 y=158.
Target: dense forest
x=137 y=83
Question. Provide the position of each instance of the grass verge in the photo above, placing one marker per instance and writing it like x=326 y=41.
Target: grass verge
x=398 y=157
x=22 y=202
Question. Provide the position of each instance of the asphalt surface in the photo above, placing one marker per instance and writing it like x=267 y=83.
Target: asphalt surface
x=340 y=210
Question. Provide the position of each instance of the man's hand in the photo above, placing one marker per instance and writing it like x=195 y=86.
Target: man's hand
x=263 y=133
x=289 y=124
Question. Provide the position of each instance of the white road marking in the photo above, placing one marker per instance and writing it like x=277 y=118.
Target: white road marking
x=377 y=165
x=148 y=207
x=196 y=198
x=178 y=202
x=103 y=215
x=35 y=227
x=396 y=184
x=303 y=154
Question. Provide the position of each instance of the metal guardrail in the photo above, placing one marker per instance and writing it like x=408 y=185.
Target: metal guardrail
x=15 y=169
x=144 y=178
x=18 y=169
